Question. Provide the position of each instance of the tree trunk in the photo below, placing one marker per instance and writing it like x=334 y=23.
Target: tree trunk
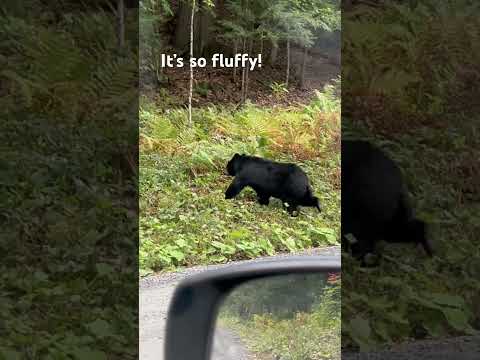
x=183 y=18
x=203 y=27
x=304 y=65
x=235 y=49
x=274 y=53
x=244 y=5
x=158 y=67
x=204 y=22
x=288 y=63
x=243 y=75
x=247 y=71
x=190 y=95
x=121 y=24
x=346 y=5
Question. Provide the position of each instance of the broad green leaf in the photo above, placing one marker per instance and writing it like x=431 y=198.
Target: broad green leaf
x=176 y=254
x=104 y=269
x=446 y=299
x=100 y=328
x=9 y=354
x=88 y=354
x=458 y=320
x=382 y=330
x=360 y=330
x=290 y=244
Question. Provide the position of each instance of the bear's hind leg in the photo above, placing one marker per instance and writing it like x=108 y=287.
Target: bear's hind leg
x=292 y=209
x=364 y=246
x=263 y=199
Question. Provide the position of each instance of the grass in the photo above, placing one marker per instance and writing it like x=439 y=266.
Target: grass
x=185 y=219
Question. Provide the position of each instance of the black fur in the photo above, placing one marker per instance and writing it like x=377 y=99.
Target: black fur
x=375 y=204
x=283 y=181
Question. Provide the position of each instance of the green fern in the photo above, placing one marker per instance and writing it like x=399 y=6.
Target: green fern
x=68 y=73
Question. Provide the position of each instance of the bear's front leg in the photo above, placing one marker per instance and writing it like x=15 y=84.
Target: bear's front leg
x=234 y=189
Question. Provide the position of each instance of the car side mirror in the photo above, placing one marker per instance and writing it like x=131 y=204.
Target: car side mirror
x=233 y=297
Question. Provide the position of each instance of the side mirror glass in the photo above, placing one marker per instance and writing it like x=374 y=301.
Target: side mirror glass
x=282 y=309
x=294 y=316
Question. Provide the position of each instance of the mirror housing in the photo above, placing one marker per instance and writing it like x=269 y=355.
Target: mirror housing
x=196 y=300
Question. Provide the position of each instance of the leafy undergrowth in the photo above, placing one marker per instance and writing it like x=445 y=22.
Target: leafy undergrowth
x=68 y=272
x=307 y=336
x=410 y=295
x=406 y=60
x=409 y=80
x=185 y=219
x=66 y=286
x=278 y=332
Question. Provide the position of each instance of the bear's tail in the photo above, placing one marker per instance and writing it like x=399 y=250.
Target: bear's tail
x=406 y=226
x=412 y=231
x=417 y=229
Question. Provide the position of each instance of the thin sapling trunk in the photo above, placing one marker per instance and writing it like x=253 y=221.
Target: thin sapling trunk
x=190 y=94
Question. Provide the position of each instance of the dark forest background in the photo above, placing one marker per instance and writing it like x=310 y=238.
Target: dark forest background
x=299 y=42
x=68 y=179
x=410 y=71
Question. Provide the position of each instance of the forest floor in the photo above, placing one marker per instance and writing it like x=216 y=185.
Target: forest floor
x=216 y=85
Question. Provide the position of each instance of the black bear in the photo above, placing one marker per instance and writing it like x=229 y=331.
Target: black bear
x=375 y=204
x=283 y=181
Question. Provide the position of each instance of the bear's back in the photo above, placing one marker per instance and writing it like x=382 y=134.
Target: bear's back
x=372 y=184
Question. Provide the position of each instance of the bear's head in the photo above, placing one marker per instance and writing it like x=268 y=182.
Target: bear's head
x=234 y=164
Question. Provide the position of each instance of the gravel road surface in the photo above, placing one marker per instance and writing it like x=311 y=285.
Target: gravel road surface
x=228 y=346
x=459 y=348
x=156 y=292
